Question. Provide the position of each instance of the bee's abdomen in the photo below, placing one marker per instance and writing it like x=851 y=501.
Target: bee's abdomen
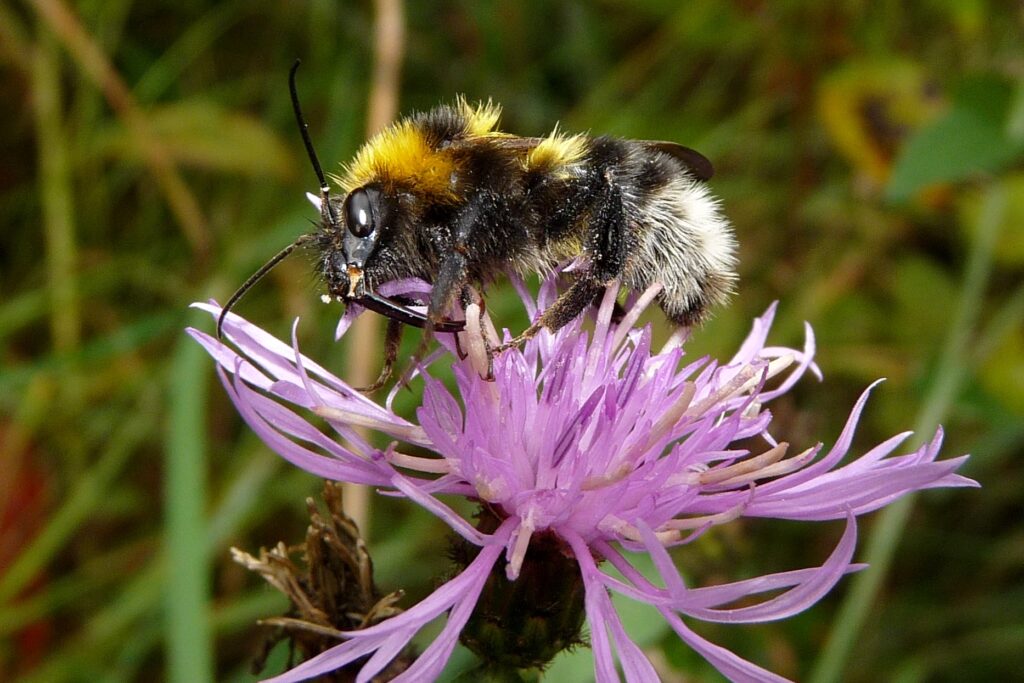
x=678 y=237
x=684 y=243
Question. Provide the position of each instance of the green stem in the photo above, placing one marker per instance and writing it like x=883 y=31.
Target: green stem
x=131 y=609
x=79 y=506
x=55 y=195
x=189 y=640
x=949 y=375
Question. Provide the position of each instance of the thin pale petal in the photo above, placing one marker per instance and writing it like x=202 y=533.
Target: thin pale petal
x=635 y=665
x=311 y=461
x=604 y=661
x=439 y=509
x=794 y=600
x=432 y=661
x=732 y=666
x=592 y=437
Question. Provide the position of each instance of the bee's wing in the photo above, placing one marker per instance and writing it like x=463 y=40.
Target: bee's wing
x=698 y=164
x=691 y=158
x=503 y=140
x=514 y=142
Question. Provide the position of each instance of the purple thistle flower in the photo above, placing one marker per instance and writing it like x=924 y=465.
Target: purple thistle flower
x=589 y=441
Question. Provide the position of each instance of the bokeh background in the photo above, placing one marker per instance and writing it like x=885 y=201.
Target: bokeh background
x=869 y=153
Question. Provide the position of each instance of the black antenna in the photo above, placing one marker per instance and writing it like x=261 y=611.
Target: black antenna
x=257 y=276
x=325 y=189
x=325 y=204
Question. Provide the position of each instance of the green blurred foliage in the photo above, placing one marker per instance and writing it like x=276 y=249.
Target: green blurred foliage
x=980 y=133
x=854 y=144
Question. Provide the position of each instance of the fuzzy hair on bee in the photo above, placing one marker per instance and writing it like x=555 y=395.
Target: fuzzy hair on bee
x=445 y=196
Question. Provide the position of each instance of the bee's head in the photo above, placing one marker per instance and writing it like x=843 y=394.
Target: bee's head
x=351 y=228
x=363 y=218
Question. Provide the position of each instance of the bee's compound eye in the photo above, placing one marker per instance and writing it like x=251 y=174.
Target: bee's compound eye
x=359 y=213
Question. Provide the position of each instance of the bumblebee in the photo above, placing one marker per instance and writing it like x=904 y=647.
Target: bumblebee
x=445 y=196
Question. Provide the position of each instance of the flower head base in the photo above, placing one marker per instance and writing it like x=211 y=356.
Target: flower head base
x=591 y=442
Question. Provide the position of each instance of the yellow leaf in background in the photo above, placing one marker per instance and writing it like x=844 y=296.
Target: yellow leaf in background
x=868 y=108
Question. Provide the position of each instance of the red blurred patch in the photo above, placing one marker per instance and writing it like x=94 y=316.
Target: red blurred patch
x=25 y=495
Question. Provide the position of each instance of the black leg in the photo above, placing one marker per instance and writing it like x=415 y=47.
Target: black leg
x=605 y=245
x=566 y=308
x=606 y=234
x=392 y=340
x=450 y=280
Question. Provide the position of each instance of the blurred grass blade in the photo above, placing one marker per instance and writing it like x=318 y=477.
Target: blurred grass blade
x=949 y=377
x=96 y=65
x=189 y=643
x=190 y=45
x=202 y=133
x=108 y=628
x=85 y=497
x=113 y=346
x=56 y=196
x=133 y=605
